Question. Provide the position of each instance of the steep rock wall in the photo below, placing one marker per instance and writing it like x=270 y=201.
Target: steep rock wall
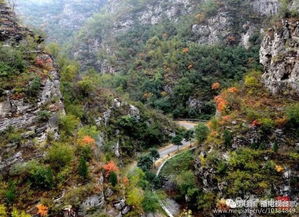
x=280 y=56
x=21 y=113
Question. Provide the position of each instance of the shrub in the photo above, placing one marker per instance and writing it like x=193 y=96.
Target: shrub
x=201 y=132
x=5 y=70
x=251 y=80
x=75 y=109
x=10 y=194
x=150 y=202
x=68 y=124
x=43 y=115
x=14 y=137
x=186 y=182
x=34 y=87
x=59 y=155
x=209 y=7
x=252 y=114
x=88 y=131
x=86 y=85
x=83 y=168
x=292 y=113
x=84 y=151
x=18 y=213
x=39 y=175
x=267 y=123
x=214 y=123
x=135 y=197
x=228 y=137
x=3 y=212
x=11 y=61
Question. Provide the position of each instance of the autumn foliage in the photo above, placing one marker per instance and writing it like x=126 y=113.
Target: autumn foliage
x=233 y=90
x=87 y=140
x=256 y=123
x=126 y=181
x=279 y=168
x=222 y=99
x=110 y=167
x=44 y=61
x=215 y=86
x=42 y=210
x=221 y=103
x=185 y=50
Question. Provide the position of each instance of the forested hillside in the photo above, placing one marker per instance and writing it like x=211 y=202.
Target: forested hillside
x=168 y=54
x=66 y=140
x=59 y=19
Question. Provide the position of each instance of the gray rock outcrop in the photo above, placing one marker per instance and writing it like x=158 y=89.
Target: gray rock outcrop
x=27 y=120
x=280 y=56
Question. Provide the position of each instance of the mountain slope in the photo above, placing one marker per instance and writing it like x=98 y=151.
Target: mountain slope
x=29 y=88
x=66 y=141
x=249 y=150
x=155 y=49
x=58 y=19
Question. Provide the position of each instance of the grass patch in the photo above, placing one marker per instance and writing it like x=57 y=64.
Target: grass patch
x=178 y=164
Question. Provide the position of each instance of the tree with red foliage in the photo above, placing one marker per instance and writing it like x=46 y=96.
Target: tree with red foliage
x=110 y=167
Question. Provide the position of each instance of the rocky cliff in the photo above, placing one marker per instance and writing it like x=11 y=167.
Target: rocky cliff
x=280 y=56
x=9 y=28
x=205 y=22
x=21 y=112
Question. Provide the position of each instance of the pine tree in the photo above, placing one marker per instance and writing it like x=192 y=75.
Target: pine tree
x=83 y=168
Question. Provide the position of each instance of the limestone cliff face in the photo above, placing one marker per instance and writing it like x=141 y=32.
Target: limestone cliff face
x=280 y=56
x=21 y=114
x=9 y=29
x=230 y=23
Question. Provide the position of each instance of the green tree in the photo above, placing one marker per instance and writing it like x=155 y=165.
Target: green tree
x=154 y=153
x=228 y=137
x=113 y=179
x=83 y=168
x=145 y=162
x=188 y=135
x=201 y=132
x=177 y=140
